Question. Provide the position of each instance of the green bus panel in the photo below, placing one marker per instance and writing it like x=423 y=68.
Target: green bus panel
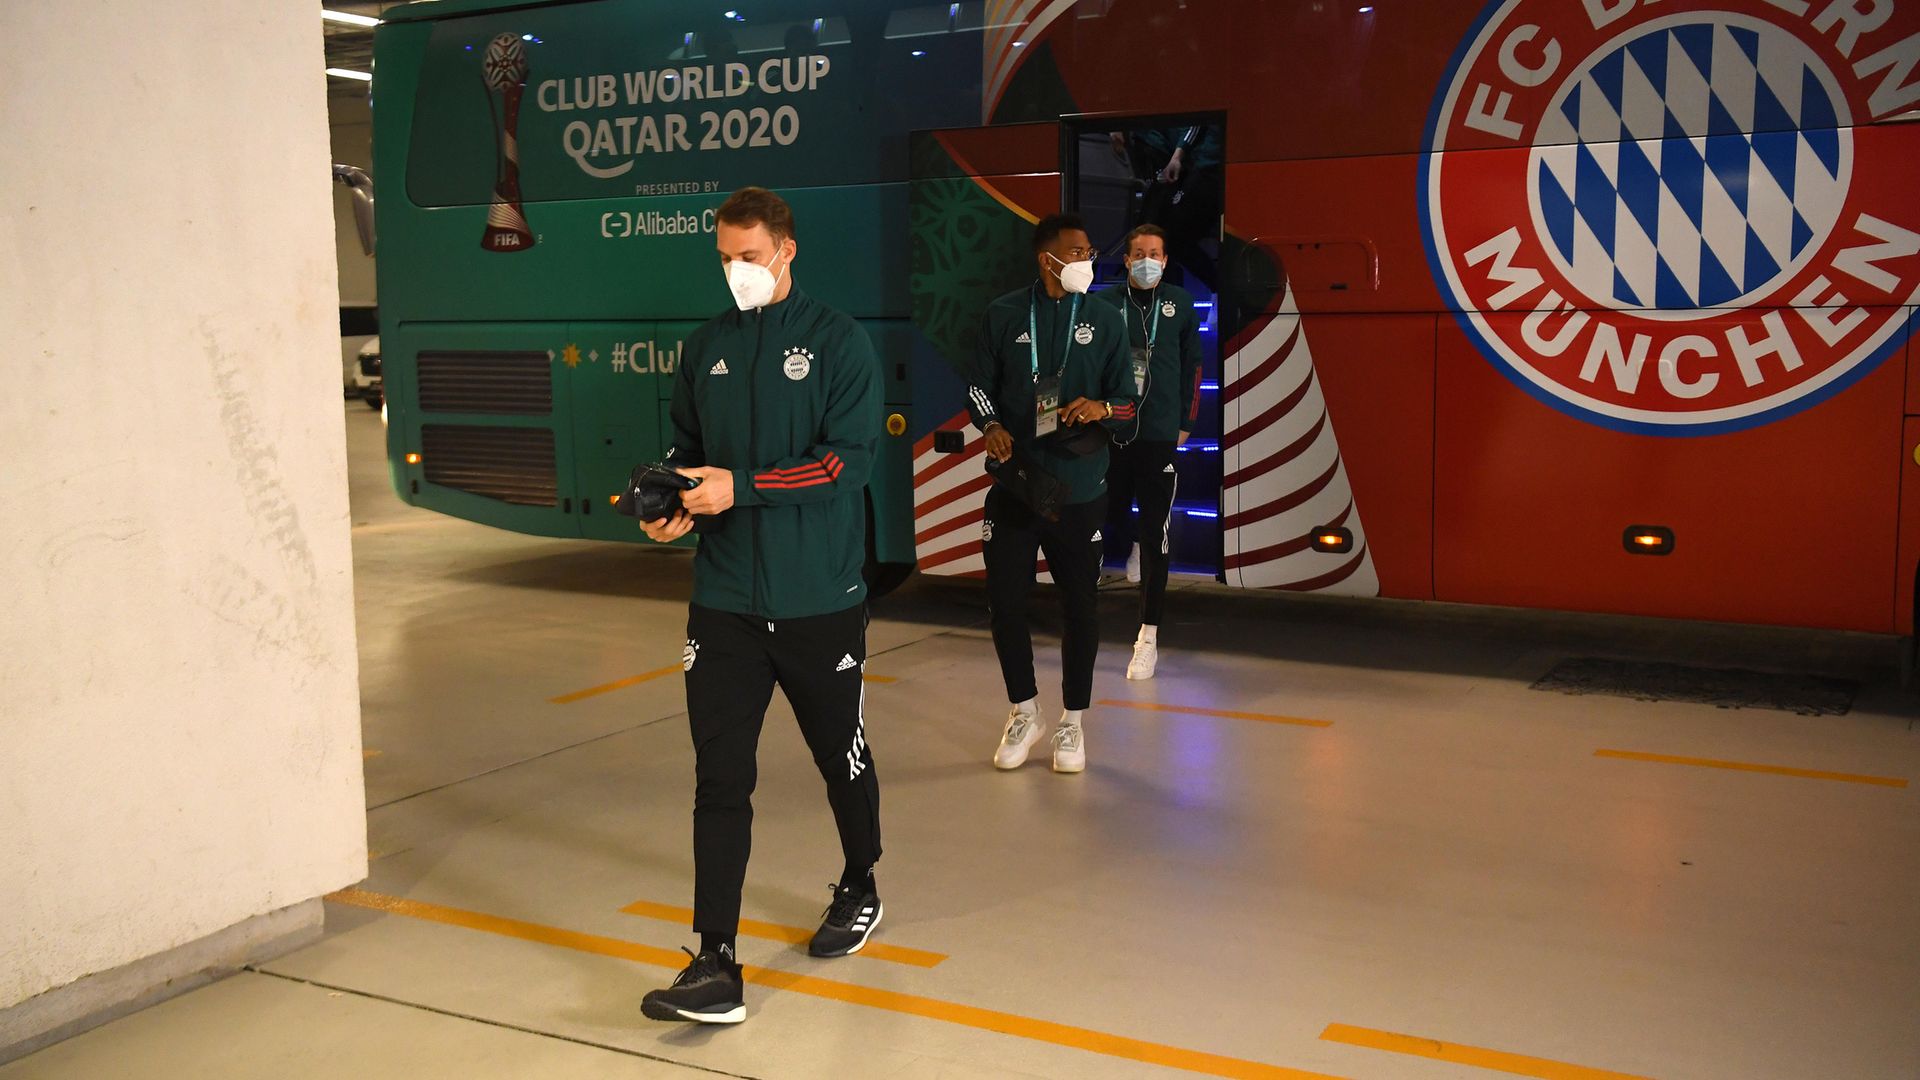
x=488 y=407
x=588 y=262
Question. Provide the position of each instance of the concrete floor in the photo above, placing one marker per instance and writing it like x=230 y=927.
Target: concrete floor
x=1219 y=895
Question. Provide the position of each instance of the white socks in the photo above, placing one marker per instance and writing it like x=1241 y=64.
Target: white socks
x=1029 y=707
x=1149 y=634
x=1070 y=718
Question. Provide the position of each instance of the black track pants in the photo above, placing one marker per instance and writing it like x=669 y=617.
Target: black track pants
x=1012 y=537
x=1142 y=472
x=733 y=662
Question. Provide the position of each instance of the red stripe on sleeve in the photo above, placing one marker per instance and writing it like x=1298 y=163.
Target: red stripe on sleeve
x=824 y=471
x=828 y=467
x=780 y=478
x=789 y=484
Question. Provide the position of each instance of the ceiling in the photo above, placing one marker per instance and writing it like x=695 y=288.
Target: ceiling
x=351 y=47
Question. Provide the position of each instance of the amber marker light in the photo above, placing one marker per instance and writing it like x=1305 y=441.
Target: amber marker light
x=413 y=459
x=896 y=424
x=1333 y=539
x=1648 y=540
x=613 y=500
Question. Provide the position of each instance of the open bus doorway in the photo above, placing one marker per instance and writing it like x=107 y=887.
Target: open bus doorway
x=1121 y=172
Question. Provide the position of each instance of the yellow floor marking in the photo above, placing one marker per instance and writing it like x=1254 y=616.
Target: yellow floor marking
x=396 y=526
x=1046 y=1031
x=1266 y=718
x=1497 y=1060
x=792 y=935
x=622 y=684
x=1780 y=770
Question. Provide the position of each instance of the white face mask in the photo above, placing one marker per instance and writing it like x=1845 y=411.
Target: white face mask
x=1146 y=272
x=752 y=284
x=1075 y=277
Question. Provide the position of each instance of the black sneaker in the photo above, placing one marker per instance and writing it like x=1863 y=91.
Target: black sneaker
x=709 y=991
x=850 y=920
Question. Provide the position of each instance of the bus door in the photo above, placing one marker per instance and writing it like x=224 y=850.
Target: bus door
x=1125 y=171
x=621 y=383
x=974 y=196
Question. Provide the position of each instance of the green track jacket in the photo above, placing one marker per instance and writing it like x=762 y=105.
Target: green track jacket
x=789 y=399
x=1172 y=402
x=1000 y=380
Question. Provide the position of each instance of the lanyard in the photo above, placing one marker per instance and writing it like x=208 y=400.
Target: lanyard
x=1033 y=332
x=1152 y=333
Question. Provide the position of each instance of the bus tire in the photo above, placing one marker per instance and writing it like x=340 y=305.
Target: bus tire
x=1910 y=644
x=884 y=577
x=881 y=577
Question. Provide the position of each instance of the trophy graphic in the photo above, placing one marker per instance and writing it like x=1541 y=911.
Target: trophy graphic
x=505 y=71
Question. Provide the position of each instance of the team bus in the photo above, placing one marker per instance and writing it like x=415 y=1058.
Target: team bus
x=1597 y=305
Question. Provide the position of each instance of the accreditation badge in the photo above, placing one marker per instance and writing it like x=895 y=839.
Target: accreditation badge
x=1046 y=406
x=1142 y=359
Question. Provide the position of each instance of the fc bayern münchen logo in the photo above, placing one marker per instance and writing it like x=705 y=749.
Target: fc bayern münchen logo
x=1674 y=221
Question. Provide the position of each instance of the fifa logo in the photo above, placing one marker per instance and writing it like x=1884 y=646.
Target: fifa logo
x=505 y=72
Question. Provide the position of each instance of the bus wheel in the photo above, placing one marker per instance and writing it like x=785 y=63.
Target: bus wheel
x=1910 y=645
x=884 y=577
x=881 y=577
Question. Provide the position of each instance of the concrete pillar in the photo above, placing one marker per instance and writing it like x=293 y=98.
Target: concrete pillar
x=180 y=762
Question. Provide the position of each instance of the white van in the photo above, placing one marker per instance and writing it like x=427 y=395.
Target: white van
x=360 y=353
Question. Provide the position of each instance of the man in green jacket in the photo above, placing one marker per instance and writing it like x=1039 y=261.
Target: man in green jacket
x=776 y=412
x=1046 y=386
x=1164 y=349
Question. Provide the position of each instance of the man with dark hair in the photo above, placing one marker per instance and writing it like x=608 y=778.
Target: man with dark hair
x=752 y=206
x=776 y=413
x=1164 y=349
x=1047 y=384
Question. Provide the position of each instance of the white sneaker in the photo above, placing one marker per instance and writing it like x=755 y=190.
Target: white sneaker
x=1133 y=565
x=1023 y=730
x=1145 y=655
x=1069 y=748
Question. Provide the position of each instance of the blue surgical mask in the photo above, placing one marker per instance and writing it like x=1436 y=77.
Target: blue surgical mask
x=1146 y=272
